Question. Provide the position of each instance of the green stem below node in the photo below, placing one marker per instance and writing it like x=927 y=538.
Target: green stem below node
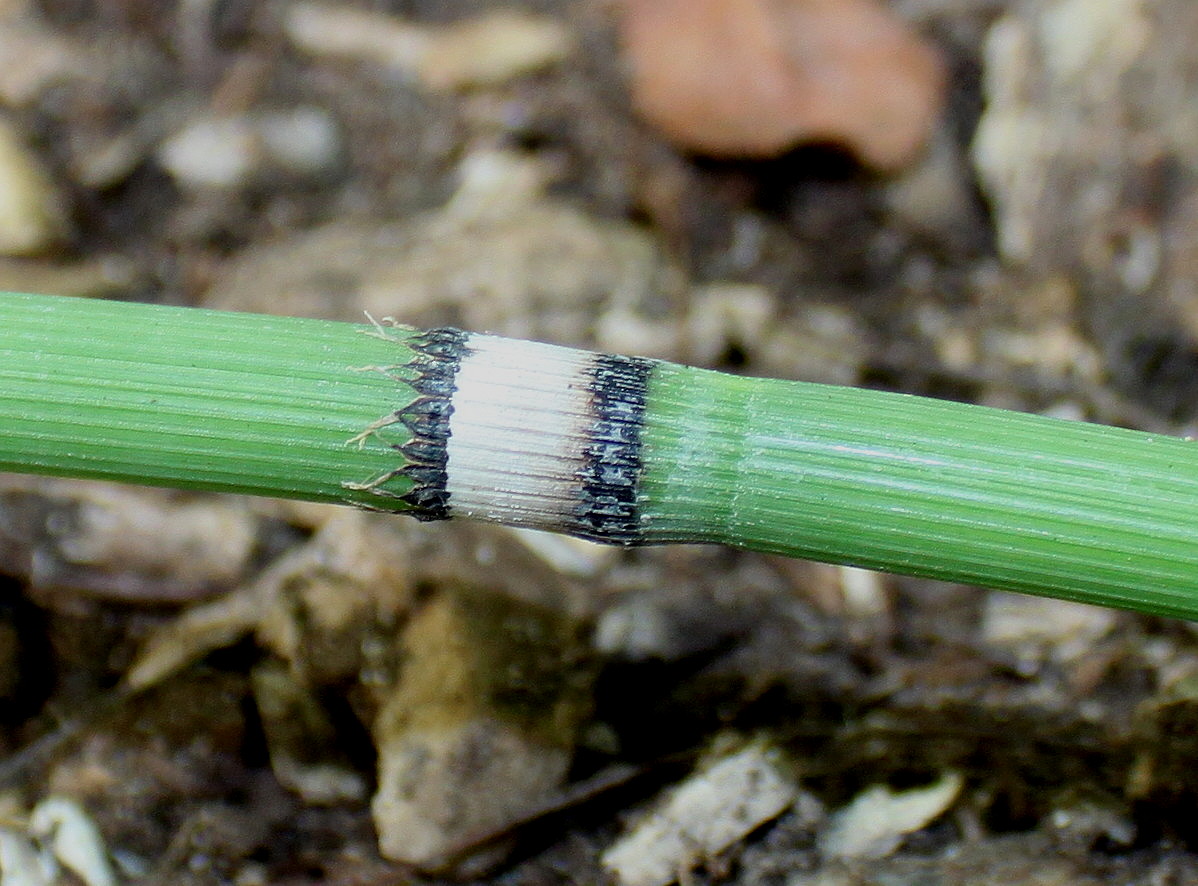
x=195 y=399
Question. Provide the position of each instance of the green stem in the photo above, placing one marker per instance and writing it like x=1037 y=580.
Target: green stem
x=615 y=449
x=194 y=399
x=925 y=487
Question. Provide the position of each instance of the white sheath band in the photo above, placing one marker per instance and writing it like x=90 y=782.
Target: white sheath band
x=521 y=416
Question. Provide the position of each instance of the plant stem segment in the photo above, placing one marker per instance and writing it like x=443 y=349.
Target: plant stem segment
x=196 y=399
x=925 y=487
x=615 y=449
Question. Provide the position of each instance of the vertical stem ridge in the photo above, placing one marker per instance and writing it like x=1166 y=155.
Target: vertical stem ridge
x=197 y=399
x=931 y=488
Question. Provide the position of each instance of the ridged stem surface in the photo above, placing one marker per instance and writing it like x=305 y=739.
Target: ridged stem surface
x=195 y=399
x=925 y=487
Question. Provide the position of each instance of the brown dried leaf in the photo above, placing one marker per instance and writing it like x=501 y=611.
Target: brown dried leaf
x=753 y=78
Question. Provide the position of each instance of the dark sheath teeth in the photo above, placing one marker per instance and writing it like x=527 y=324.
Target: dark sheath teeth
x=607 y=508
x=427 y=418
x=427 y=504
x=422 y=451
x=439 y=353
x=432 y=385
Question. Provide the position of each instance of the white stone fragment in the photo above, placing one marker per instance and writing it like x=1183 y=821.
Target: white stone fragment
x=492 y=49
x=492 y=183
x=876 y=821
x=1033 y=627
x=31 y=215
x=1011 y=138
x=1083 y=34
x=1070 y=115
x=33 y=58
x=227 y=152
x=215 y=153
x=720 y=314
x=74 y=839
x=933 y=194
x=634 y=629
x=703 y=816
x=20 y=862
x=572 y=556
x=301 y=140
x=338 y=31
x=440 y=789
x=486 y=50
x=864 y=592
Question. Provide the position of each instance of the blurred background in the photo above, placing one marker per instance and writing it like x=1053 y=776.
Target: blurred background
x=984 y=200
